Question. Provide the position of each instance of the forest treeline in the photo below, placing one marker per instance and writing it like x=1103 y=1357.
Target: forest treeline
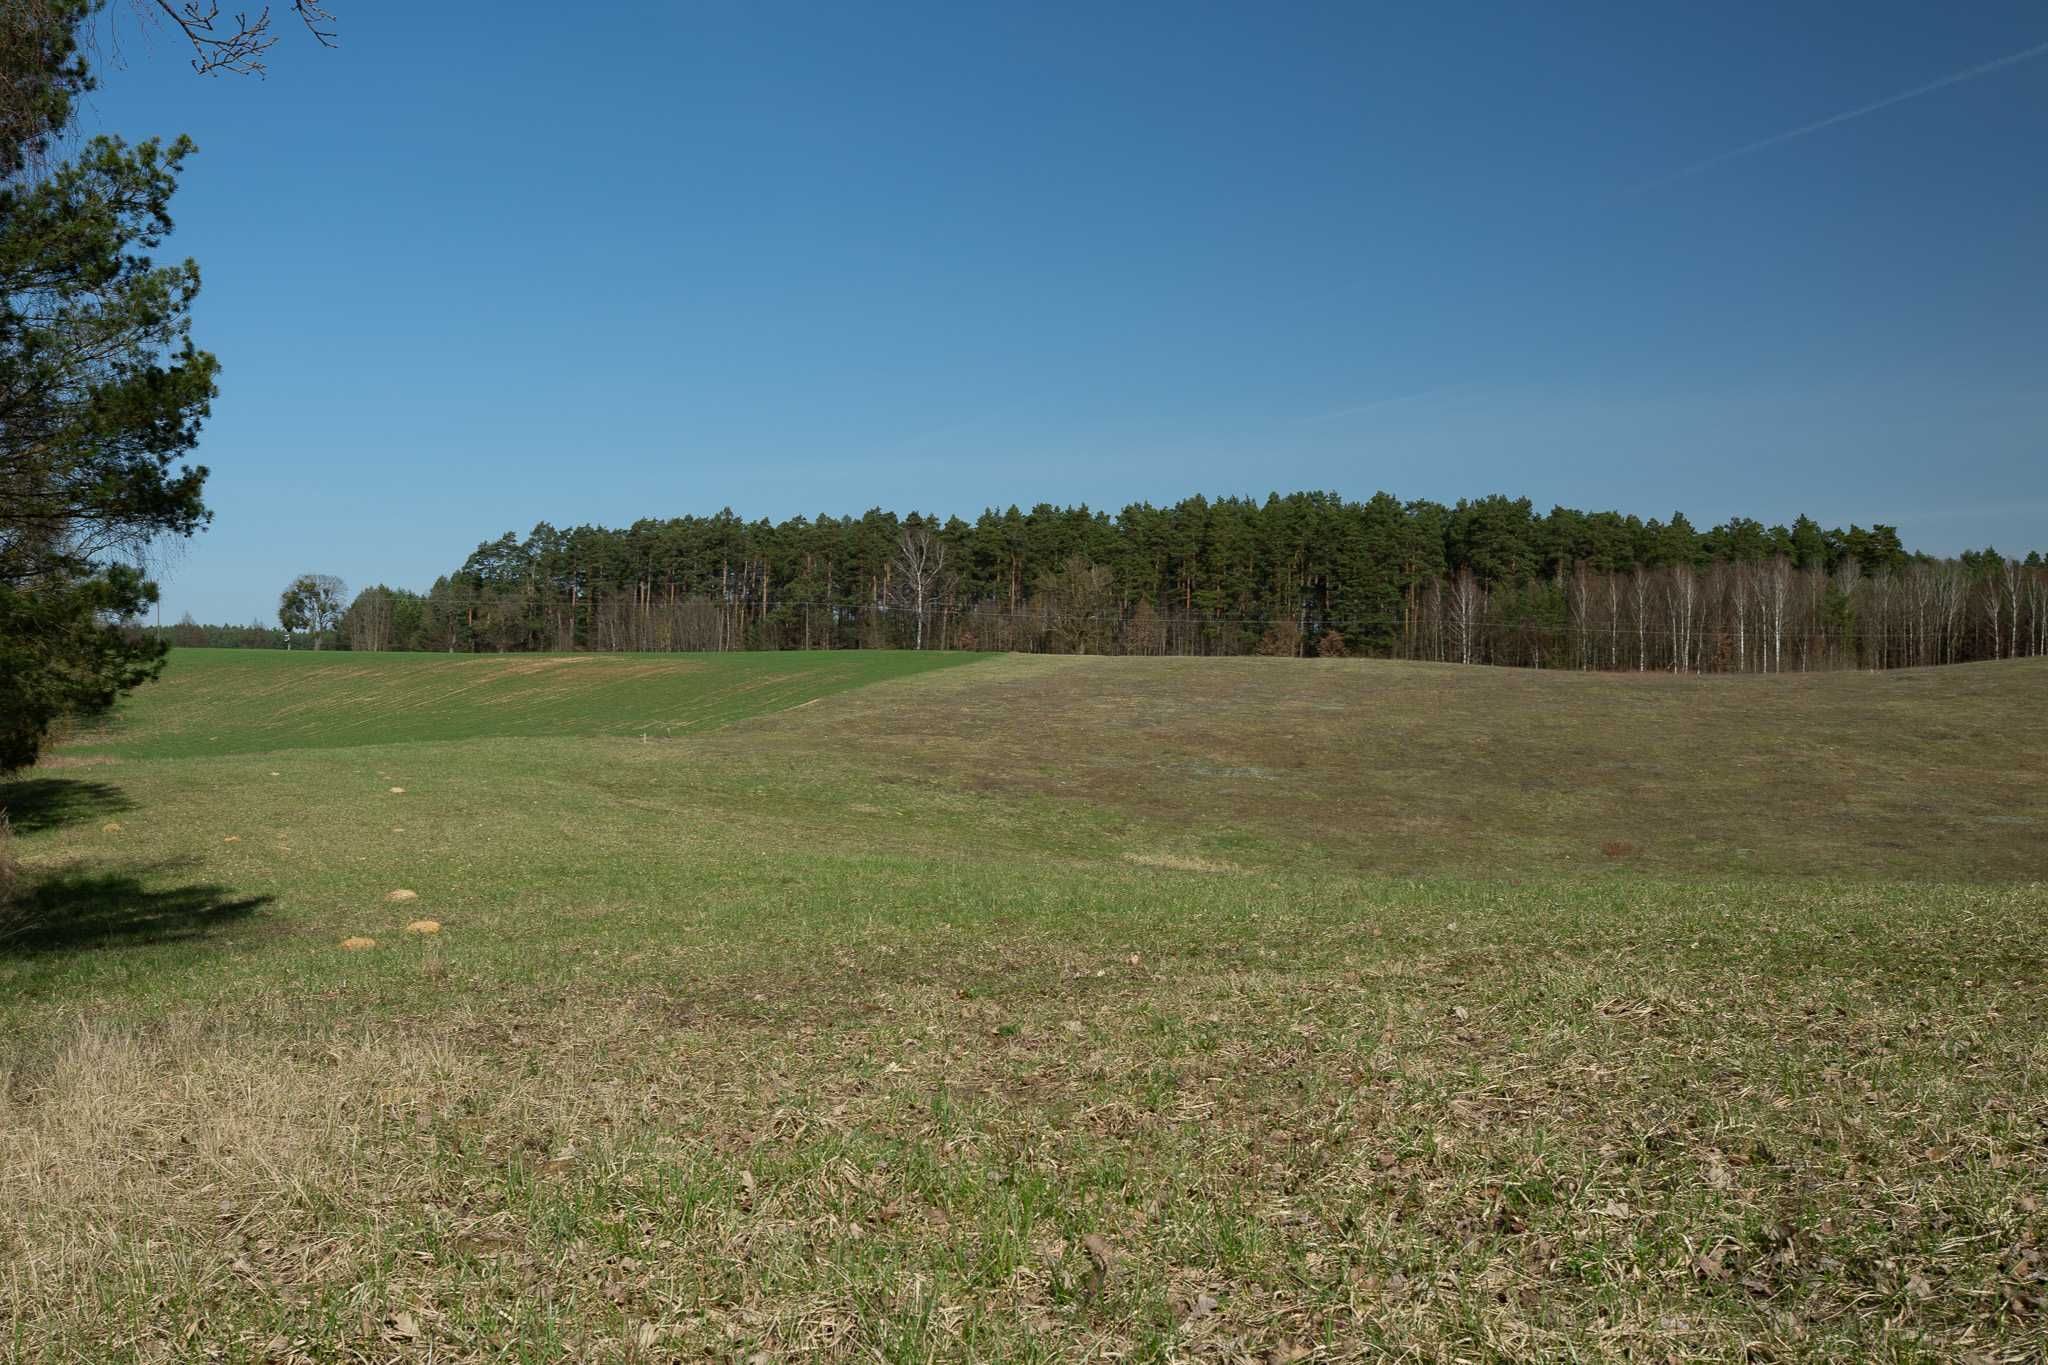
x=1485 y=581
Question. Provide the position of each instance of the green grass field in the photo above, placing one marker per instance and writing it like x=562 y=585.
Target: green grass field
x=229 y=701
x=850 y=1007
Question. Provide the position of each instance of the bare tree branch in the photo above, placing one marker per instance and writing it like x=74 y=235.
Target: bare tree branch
x=240 y=49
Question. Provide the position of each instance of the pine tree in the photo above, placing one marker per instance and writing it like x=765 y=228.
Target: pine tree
x=101 y=390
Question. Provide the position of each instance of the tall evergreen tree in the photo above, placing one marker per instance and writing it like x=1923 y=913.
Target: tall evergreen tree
x=101 y=389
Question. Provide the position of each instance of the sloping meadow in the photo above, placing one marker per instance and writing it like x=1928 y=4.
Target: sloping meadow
x=1049 y=1009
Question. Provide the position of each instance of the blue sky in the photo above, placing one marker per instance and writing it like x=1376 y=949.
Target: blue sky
x=489 y=264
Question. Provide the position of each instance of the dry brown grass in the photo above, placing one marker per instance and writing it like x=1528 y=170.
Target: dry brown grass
x=1444 y=1147
x=1419 y=769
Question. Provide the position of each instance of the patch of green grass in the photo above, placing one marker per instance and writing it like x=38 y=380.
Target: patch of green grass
x=1047 y=1010
x=244 y=701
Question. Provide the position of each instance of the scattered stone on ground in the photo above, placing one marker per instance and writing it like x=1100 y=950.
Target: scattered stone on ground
x=401 y=894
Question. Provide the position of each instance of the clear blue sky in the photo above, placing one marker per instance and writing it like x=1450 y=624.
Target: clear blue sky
x=493 y=263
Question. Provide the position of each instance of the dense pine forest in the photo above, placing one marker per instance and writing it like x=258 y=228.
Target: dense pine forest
x=1485 y=581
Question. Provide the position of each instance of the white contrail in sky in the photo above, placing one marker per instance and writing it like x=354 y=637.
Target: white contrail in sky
x=1953 y=78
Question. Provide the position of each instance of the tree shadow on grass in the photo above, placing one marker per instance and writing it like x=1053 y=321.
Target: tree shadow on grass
x=76 y=912
x=43 y=803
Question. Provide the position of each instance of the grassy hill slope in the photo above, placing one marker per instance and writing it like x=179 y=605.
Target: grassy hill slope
x=240 y=701
x=1043 y=1009
x=1418 y=769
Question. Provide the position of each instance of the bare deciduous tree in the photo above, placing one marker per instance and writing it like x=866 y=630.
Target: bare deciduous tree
x=1467 y=607
x=2010 y=572
x=1683 y=594
x=1950 y=593
x=919 y=580
x=1639 y=601
x=1080 y=602
x=1774 y=587
x=369 y=620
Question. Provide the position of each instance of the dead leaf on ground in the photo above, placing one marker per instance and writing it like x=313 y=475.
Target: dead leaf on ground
x=111 y=827
x=424 y=926
x=355 y=943
x=398 y=791
x=401 y=894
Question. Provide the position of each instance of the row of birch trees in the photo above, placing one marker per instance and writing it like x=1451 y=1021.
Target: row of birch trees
x=1763 y=617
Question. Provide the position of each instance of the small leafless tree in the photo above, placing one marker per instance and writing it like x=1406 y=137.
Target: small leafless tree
x=2010 y=572
x=920 y=578
x=1580 y=608
x=1683 y=594
x=1950 y=590
x=2038 y=610
x=1920 y=590
x=1468 y=609
x=1145 y=632
x=1739 y=587
x=1639 y=601
x=1080 y=604
x=1614 y=621
x=1882 y=585
x=1774 y=587
x=1994 y=614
